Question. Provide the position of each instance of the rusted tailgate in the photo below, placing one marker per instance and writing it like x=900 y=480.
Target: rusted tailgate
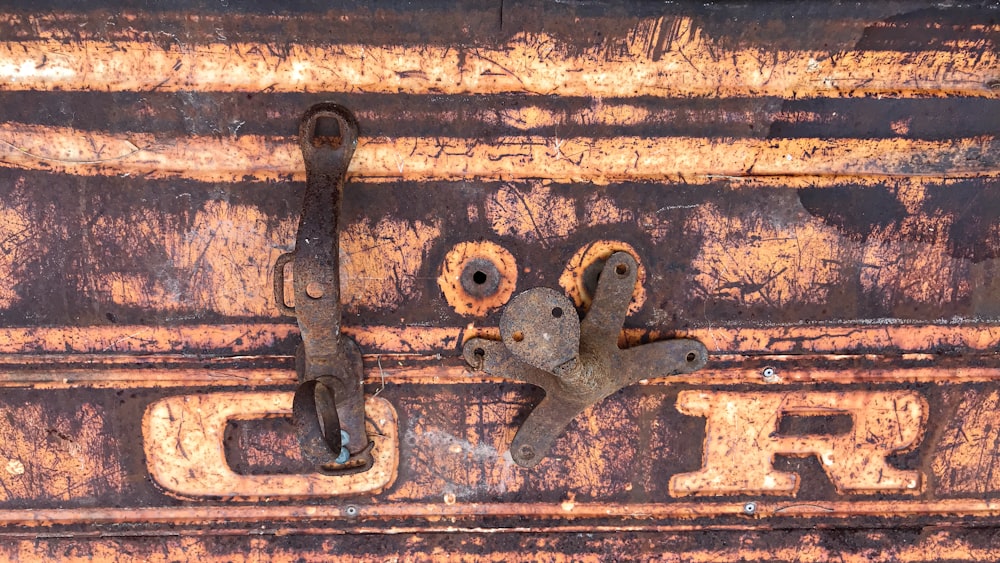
x=812 y=191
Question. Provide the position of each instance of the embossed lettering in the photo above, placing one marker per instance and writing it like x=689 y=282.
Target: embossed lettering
x=742 y=439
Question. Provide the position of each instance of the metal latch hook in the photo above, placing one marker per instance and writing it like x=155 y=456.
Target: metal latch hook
x=328 y=407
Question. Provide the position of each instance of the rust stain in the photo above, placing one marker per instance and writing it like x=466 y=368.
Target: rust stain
x=842 y=338
x=452 y=467
x=380 y=262
x=535 y=63
x=45 y=454
x=868 y=546
x=765 y=258
x=15 y=230
x=915 y=271
x=225 y=259
x=144 y=339
x=534 y=215
x=964 y=461
x=453 y=514
x=454 y=473
x=745 y=371
x=778 y=257
x=600 y=160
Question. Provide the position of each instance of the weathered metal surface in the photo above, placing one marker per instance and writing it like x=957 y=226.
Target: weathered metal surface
x=627 y=462
x=809 y=190
x=782 y=546
x=577 y=363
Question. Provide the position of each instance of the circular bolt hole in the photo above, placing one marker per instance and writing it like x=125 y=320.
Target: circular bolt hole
x=769 y=373
x=557 y=312
x=750 y=508
x=517 y=336
x=479 y=353
x=621 y=269
x=351 y=511
x=526 y=452
x=692 y=356
x=480 y=278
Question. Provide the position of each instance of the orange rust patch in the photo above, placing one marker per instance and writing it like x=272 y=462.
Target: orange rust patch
x=15 y=230
x=572 y=278
x=536 y=63
x=226 y=257
x=536 y=215
x=600 y=160
x=602 y=211
x=458 y=259
x=972 y=434
x=916 y=271
x=379 y=263
x=752 y=260
x=58 y=457
x=845 y=338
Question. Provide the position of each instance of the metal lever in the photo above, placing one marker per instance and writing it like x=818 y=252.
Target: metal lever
x=577 y=363
x=328 y=407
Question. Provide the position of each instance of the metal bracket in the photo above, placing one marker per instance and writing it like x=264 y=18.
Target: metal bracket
x=328 y=407
x=578 y=363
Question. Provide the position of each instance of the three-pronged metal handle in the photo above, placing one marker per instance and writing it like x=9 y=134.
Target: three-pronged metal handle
x=578 y=363
x=328 y=407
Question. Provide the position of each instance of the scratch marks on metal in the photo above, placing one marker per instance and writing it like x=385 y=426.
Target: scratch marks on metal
x=600 y=160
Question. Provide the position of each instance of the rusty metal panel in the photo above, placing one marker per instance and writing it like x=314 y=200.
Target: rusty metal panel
x=809 y=190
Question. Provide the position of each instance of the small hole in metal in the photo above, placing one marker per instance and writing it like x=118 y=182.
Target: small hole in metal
x=527 y=452
x=327 y=131
x=621 y=269
x=557 y=312
x=692 y=356
x=518 y=336
x=479 y=277
x=479 y=353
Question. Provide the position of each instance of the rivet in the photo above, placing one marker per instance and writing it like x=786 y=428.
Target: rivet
x=314 y=290
x=750 y=508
